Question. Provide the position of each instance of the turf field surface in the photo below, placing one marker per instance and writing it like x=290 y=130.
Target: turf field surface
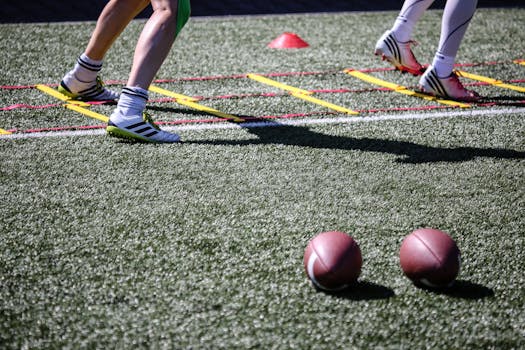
x=107 y=244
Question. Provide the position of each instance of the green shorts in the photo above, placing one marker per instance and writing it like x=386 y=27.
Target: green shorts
x=183 y=13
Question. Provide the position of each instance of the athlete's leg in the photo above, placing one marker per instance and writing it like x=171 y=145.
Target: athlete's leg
x=394 y=44
x=456 y=18
x=439 y=78
x=154 y=43
x=82 y=82
x=152 y=48
x=410 y=13
x=115 y=16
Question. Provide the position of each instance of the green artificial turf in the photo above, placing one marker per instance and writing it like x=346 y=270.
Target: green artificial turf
x=109 y=244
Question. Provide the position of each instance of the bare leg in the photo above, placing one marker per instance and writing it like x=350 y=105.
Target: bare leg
x=115 y=16
x=154 y=43
x=81 y=82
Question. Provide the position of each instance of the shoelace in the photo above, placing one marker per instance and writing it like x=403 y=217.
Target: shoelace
x=148 y=119
x=100 y=89
x=100 y=84
x=408 y=44
x=412 y=42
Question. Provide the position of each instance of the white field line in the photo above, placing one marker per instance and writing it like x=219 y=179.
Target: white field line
x=302 y=122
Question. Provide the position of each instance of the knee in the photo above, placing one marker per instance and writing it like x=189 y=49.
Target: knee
x=166 y=7
x=165 y=15
x=174 y=12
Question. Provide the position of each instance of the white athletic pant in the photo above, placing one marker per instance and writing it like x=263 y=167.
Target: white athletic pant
x=456 y=18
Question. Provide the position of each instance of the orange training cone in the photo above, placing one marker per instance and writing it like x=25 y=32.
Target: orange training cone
x=288 y=41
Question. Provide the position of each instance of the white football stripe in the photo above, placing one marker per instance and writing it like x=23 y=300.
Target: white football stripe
x=310 y=268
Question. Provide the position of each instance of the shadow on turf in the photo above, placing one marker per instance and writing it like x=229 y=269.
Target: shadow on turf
x=180 y=111
x=411 y=152
x=505 y=101
x=464 y=290
x=362 y=290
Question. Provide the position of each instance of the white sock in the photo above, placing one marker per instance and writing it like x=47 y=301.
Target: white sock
x=443 y=64
x=403 y=28
x=409 y=14
x=83 y=76
x=131 y=103
x=87 y=69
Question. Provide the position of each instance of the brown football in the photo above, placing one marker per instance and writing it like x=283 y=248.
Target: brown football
x=332 y=261
x=430 y=257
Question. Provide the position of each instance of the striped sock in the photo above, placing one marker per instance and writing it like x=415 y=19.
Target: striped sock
x=131 y=103
x=87 y=69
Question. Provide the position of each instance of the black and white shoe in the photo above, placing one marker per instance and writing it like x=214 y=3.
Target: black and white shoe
x=398 y=53
x=142 y=128
x=448 y=87
x=91 y=91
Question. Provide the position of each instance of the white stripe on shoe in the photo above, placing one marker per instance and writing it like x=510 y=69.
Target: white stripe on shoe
x=140 y=129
